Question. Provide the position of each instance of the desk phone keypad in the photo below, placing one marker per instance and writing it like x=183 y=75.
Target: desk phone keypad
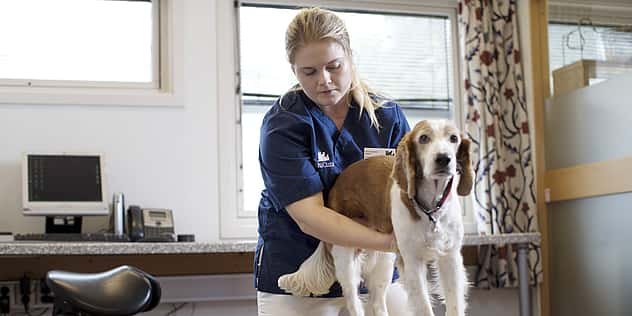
x=158 y=234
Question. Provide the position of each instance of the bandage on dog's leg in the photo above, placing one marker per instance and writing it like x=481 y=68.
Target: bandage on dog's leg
x=315 y=276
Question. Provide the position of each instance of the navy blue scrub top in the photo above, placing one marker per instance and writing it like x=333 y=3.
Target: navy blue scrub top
x=301 y=153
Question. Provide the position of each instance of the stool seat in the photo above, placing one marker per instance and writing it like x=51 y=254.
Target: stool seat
x=122 y=291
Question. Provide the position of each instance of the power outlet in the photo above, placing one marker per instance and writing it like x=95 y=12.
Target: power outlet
x=15 y=295
x=6 y=297
x=36 y=295
x=13 y=289
x=45 y=297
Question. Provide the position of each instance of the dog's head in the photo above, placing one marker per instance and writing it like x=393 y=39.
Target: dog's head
x=434 y=149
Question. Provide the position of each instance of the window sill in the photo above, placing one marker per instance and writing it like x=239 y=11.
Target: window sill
x=90 y=96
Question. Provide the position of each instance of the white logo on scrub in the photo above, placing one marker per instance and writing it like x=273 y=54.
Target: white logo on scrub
x=323 y=160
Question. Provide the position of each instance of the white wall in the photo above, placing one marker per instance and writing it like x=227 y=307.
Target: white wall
x=237 y=298
x=159 y=157
x=481 y=303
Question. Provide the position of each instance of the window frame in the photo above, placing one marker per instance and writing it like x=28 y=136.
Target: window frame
x=165 y=89
x=235 y=222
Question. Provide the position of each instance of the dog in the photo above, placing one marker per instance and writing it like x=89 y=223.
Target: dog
x=413 y=196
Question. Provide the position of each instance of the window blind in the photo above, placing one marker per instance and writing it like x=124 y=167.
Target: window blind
x=606 y=30
x=407 y=57
x=610 y=12
x=603 y=43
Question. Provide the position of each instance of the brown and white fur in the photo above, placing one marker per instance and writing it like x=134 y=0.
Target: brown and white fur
x=388 y=192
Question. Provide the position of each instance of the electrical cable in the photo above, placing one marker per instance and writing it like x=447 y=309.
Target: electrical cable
x=25 y=291
x=175 y=309
x=5 y=301
x=43 y=310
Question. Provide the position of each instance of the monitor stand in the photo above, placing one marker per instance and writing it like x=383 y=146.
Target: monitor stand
x=63 y=224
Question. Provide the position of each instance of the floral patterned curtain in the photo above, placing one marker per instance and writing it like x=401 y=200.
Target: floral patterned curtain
x=497 y=122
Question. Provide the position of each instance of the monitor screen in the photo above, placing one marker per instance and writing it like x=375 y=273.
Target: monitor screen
x=64 y=184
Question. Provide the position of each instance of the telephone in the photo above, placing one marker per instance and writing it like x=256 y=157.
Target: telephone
x=150 y=224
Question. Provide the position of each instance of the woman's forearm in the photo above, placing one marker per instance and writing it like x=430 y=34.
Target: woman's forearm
x=338 y=229
x=327 y=225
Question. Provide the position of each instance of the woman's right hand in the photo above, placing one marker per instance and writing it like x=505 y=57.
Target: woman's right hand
x=392 y=243
x=389 y=242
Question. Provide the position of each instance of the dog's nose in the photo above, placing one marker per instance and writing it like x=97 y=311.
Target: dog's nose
x=442 y=160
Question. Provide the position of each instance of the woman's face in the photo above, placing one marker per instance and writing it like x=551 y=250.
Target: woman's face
x=324 y=72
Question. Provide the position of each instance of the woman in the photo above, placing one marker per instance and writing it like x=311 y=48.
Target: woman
x=308 y=137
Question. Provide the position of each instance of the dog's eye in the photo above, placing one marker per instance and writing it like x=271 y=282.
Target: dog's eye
x=424 y=139
x=454 y=139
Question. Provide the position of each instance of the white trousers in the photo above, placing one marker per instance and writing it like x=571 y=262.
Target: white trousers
x=288 y=305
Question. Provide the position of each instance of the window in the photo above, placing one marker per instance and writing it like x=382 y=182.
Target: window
x=602 y=42
x=408 y=56
x=601 y=31
x=76 y=51
x=77 y=40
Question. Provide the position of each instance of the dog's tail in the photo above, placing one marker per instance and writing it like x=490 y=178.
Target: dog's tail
x=315 y=276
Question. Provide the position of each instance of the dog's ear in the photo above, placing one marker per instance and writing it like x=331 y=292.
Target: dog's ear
x=406 y=166
x=464 y=165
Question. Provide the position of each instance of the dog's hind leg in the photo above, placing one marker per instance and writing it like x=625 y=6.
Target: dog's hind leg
x=348 y=271
x=416 y=285
x=378 y=275
x=453 y=281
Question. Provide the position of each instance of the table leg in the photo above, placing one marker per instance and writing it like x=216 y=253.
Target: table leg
x=523 y=278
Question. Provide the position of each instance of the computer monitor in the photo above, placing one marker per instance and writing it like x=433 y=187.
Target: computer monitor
x=59 y=185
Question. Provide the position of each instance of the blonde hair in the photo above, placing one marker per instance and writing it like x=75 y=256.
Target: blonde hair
x=315 y=24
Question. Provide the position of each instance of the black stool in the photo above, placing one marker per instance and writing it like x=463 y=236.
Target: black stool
x=122 y=291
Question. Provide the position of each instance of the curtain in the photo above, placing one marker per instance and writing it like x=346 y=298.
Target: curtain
x=497 y=121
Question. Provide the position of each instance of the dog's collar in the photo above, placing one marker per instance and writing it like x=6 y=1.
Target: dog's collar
x=422 y=210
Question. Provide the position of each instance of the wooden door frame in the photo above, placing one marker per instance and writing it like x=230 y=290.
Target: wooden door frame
x=538 y=32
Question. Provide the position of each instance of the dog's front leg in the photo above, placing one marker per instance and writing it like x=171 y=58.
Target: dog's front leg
x=417 y=286
x=453 y=282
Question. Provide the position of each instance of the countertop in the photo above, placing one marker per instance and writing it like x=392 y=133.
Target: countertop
x=27 y=248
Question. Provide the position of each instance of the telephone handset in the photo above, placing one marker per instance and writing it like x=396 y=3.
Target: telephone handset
x=150 y=224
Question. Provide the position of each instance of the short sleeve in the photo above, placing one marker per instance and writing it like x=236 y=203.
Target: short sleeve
x=400 y=127
x=285 y=157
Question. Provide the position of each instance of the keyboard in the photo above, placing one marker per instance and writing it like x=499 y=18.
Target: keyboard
x=102 y=237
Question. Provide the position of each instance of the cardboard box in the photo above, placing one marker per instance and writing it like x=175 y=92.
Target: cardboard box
x=573 y=76
x=585 y=72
